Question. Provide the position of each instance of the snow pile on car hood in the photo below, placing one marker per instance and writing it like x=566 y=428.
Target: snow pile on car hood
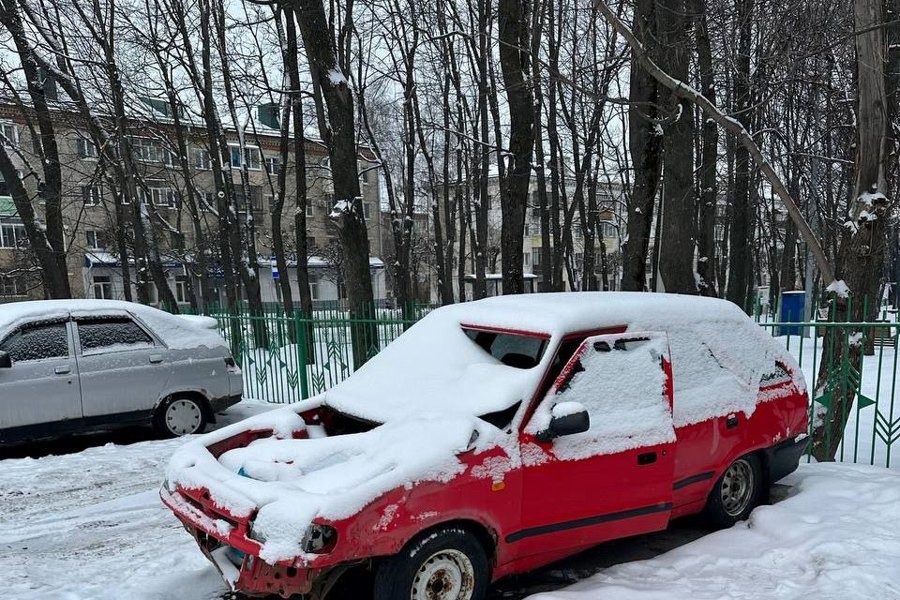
x=294 y=481
x=176 y=331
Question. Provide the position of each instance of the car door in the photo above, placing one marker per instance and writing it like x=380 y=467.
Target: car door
x=123 y=367
x=615 y=479
x=41 y=386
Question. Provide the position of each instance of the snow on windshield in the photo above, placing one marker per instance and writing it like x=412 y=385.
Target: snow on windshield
x=437 y=368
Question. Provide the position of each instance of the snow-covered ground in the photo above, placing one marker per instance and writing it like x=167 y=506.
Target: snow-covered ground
x=90 y=526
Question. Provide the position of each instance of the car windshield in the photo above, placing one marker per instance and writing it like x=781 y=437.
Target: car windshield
x=512 y=349
x=442 y=366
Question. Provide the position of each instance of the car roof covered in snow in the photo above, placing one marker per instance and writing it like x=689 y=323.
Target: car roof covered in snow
x=718 y=354
x=176 y=331
x=569 y=312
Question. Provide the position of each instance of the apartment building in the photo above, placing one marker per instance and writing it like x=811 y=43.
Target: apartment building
x=611 y=217
x=89 y=210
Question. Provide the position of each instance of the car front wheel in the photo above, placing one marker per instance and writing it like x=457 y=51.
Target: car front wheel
x=736 y=493
x=180 y=415
x=448 y=564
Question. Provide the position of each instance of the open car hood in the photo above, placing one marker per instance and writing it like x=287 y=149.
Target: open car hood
x=290 y=482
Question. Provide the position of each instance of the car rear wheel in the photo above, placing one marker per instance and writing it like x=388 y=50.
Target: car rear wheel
x=449 y=564
x=180 y=415
x=736 y=493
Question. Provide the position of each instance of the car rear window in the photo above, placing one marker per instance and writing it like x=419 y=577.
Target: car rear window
x=514 y=350
x=102 y=334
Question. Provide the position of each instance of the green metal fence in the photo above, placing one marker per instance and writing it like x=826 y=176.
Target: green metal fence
x=289 y=358
x=873 y=419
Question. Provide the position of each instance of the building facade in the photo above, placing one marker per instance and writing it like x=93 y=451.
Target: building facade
x=182 y=227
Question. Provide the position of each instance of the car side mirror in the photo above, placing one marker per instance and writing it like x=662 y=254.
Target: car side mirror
x=566 y=418
x=5 y=360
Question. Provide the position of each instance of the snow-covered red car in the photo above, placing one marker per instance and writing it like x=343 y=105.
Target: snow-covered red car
x=495 y=437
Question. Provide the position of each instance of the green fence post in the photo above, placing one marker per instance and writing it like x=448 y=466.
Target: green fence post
x=302 y=372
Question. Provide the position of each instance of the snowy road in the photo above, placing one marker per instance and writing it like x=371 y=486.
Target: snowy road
x=89 y=525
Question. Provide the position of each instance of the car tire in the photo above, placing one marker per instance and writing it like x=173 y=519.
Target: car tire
x=736 y=493
x=180 y=415
x=447 y=564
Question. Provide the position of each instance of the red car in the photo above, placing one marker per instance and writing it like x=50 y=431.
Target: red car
x=495 y=437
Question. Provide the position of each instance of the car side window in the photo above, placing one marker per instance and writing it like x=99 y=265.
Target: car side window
x=113 y=333
x=39 y=341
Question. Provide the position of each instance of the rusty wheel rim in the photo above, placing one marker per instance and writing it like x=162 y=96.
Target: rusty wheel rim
x=446 y=575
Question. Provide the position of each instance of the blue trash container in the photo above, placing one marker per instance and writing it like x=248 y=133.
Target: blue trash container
x=792 y=310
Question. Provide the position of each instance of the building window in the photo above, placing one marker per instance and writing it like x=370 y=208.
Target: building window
x=273 y=165
x=91 y=195
x=201 y=159
x=270 y=202
x=12 y=235
x=367 y=210
x=526 y=259
x=95 y=240
x=608 y=229
x=310 y=242
x=252 y=157
x=162 y=196
x=309 y=209
x=181 y=291
x=10 y=133
x=102 y=287
x=314 y=290
x=255 y=199
x=12 y=286
x=85 y=148
x=536 y=257
x=149 y=151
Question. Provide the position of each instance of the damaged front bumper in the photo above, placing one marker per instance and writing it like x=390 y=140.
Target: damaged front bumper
x=224 y=541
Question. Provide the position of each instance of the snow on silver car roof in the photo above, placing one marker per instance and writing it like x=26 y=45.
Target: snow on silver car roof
x=175 y=331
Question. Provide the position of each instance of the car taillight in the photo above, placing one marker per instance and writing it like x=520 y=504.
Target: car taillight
x=231 y=366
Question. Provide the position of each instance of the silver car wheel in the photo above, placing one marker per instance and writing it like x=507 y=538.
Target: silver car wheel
x=183 y=417
x=446 y=575
x=737 y=487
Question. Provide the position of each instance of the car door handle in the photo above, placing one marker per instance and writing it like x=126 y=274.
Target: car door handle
x=647 y=458
x=62 y=370
x=156 y=358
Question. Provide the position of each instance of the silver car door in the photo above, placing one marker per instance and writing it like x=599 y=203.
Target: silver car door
x=42 y=384
x=123 y=367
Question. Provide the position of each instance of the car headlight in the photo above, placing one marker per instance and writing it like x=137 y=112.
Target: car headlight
x=319 y=539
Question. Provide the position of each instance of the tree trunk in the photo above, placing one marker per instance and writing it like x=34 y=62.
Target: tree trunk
x=514 y=39
x=646 y=146
x=318 y=39
x=864 y=250
x=301 y=247
x=740 y=260
x=706 y=235
x=678 y=238
x=47 y=238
